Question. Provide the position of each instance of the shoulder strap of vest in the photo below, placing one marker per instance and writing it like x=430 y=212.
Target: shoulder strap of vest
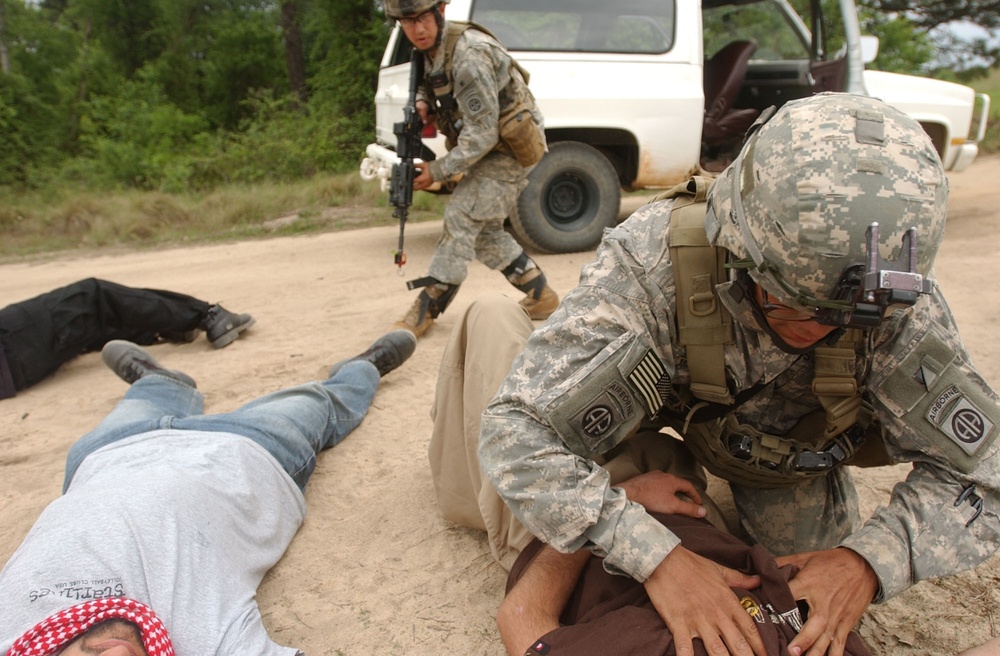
x=704 y=326
x=835 y=383
x=454 y=30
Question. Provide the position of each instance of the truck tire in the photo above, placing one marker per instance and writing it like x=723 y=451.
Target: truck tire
x=573 y=194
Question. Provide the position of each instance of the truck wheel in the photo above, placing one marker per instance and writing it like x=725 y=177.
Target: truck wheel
x=573 y=194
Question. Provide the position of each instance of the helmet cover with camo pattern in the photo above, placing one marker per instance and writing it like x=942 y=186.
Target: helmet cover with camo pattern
x=396 y=9
x=808 y=183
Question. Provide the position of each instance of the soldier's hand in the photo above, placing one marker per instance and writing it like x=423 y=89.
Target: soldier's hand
x=838 y=585
x=424 y=111
x=423 y=179
x=658 y=491
x=693 y=596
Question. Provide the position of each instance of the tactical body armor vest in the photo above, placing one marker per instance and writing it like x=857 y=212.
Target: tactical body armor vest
x=842 y=431
x=520 y=136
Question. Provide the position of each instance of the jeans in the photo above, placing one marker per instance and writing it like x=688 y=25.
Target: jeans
x=292 y=424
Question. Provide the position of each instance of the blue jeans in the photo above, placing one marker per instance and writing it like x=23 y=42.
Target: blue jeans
x=293 y=424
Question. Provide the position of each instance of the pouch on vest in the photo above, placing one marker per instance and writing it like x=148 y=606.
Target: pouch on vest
x=523 y=136
x=703 y=325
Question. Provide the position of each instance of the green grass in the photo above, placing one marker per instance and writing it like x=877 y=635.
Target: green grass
x=62 y=220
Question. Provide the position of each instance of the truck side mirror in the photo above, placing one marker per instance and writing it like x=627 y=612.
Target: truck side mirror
x=869 y=48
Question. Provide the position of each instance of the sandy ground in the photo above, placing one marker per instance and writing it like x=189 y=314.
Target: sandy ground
x=375 y=570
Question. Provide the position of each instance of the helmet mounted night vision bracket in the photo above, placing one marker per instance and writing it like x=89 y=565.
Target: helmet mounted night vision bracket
x=868 y=290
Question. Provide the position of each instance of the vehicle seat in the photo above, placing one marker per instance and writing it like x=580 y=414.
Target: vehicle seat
x=724 y=75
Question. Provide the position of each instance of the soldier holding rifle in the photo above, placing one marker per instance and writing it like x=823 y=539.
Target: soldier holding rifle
x=478 y=97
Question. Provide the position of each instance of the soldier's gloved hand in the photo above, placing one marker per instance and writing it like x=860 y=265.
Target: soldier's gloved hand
x=658 y=491
x=693 y=596
x=838 y=585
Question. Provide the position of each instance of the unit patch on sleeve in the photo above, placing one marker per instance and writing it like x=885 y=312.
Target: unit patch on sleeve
x=650 y=379
x=960 y=419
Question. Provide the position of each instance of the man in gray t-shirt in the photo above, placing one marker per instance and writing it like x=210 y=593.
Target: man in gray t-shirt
x=171 y=518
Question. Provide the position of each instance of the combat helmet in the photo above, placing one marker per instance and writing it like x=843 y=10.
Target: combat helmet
x=396 y=9
x=820 y=191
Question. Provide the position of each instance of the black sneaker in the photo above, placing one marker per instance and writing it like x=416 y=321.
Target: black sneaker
x=131 y=362
x=222 y=327
x=386 y=353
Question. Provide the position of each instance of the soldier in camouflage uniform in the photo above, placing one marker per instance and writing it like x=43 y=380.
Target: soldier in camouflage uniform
x=470 y=89
x=829 y=354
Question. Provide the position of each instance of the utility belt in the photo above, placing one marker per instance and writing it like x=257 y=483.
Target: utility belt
x=744 y=455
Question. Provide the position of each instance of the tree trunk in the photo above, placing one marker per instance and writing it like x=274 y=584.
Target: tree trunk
x=4 y=53
x=294 y=59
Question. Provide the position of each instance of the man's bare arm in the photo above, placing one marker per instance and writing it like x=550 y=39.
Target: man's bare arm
x=533 y=606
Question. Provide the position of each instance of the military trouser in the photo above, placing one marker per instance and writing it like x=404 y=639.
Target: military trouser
x=473 y=223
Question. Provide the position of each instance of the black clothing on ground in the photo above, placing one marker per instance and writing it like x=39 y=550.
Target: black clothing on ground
x=611 y=615
x=40 y=334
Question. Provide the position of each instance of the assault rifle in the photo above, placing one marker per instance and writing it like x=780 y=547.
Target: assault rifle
x=408 y=146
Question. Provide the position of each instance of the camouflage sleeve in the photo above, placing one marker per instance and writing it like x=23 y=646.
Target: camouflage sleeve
x=476 y=90
x=940 y=415
x=537 y=445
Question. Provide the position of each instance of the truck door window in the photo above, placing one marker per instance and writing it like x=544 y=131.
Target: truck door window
x=620 y=26
x=761 y=22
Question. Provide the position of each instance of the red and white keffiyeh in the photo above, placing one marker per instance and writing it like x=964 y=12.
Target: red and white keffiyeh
x=56 y=630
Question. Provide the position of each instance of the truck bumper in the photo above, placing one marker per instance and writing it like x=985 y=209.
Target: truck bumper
x=377 y=165
x=966 y=152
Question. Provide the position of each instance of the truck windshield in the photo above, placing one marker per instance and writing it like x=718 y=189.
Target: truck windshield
x=615 y=26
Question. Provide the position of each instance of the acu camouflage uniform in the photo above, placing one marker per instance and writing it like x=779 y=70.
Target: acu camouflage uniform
x=481 y=73
x=610 y=362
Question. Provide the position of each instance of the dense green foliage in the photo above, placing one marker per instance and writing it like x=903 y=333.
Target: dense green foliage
x=184 y=94
x=962 y=58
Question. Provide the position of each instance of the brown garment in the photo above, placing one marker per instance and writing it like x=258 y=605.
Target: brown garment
x=608 y=615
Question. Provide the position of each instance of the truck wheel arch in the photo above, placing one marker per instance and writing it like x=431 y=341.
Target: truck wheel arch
x=939 y=136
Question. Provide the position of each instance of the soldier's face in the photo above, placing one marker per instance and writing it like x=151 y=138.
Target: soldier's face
x=421 y=30
x=796 y=333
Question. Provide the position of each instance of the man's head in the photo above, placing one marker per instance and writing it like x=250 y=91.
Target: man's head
x=109 y=638
x=422 y=21
x=108 y=626
x=797 y=206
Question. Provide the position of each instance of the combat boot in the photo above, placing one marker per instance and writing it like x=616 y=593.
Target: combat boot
x=386 y=353
x=132 y=362
x=540 y=300
x=431 y=302
x=222 y=327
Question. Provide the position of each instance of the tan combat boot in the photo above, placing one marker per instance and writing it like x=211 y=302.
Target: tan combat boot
x=433 y=300
x=417 y=319
x=540 y=300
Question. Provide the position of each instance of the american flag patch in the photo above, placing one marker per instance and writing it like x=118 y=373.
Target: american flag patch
x=651 y=380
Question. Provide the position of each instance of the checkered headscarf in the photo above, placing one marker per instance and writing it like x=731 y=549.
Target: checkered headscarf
x=55 y=631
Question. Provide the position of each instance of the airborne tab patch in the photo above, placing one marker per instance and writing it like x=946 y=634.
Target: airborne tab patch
x=960 y=419
x=651 y=380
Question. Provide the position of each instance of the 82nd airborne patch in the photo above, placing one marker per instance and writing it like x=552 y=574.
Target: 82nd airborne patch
x=958 y=418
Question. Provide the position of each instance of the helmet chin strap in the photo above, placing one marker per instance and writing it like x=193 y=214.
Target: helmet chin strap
x=439 y=19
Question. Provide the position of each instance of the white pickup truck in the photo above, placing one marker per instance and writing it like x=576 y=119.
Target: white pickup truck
x=640 y=94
